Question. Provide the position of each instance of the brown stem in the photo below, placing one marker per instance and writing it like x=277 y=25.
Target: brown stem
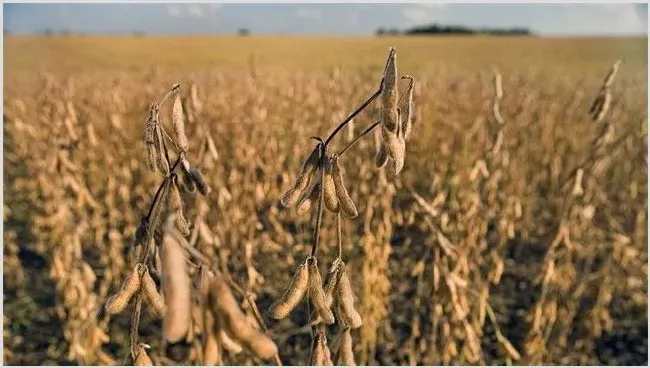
x=135 y=324
x=592 y=157
x=357 y=138
x=319 y=215
x=174 y=89
x=355 y=113
x=338 y=234
x=256 y=311
x=162 y=185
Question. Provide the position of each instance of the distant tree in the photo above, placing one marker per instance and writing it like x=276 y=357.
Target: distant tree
x=438 y=29
x=393 y=32
x=381 y=31
x=243 y=32
x=137 y=34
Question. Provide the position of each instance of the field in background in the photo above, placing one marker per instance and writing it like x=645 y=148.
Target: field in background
x=260 y=99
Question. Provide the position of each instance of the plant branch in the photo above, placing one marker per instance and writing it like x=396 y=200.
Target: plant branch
x=357 y=138
x=174 y=89
x=338 y=234
x=162 y=185
x=256 y=312
x=594 y=157
x=355 y=113
x=319 y=215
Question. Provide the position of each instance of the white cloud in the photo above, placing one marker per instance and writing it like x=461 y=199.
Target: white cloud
x=195 y=10
x=631 y=21
x=174 y=10
x=433 y=5
x=415 y=14
x=309 y=13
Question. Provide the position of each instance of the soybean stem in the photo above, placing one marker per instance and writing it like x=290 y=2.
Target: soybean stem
x=338 y=234
x=357 y=138
x=355 y=113
x=319 y=215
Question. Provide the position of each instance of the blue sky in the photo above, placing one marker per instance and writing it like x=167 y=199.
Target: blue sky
x=337 y=19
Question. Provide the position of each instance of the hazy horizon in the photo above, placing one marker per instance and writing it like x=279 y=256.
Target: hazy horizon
x=549 y=20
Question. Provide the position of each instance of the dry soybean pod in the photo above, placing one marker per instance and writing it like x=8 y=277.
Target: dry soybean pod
x=329 y=190
x=176 y=206
x=176 y=285
x=346 y=300
x=381 y=158
x=389 y=94
x=211 y=345
x=407 y=116
x=198 y=179
x=305 y=178
x=293 y=295
x=236 y=324
x=152 y=295
x=344 y=354
x=317 y=294
x=320 y=352
x=331 y=280
x=178 y=123
x=141 y=356
x=118 y=302
x=347 y=206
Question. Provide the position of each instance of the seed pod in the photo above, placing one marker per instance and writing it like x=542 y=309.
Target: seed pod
x=149 y=126
x=344 y=198
x=381 y=158
x=600 y=106
x=152 y=295
x=312 y=193
x=235 y=323
x=331 y=280
x=178 y=123
x=407 y=114
x=186 y=181
x=609 y=78
x=395 y=145
x=176 y=285
x=304 y=207
x=389 y=95
x=344 y=354
x=304 y=180
x=176 y=206
x=320 y=352
x=329 y=190
x=211 y=346
x=346 y=300
x=149 y=140
x=293 y=295
x=507 y=347
x=161 y=162
x=228 y=343
x=197 y=178
x=317 y=294
x=118 y=302
x=140 y=232
x=152 y=158
x=141 y=356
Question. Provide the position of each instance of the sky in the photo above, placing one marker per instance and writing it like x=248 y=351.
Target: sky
x=615 y=19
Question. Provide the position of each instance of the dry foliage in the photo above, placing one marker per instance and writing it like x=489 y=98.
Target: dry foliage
x=490 y=217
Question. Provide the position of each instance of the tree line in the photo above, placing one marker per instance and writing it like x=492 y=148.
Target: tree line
x=438 y=29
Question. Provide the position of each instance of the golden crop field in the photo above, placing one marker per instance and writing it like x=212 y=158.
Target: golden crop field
x=153 y=223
